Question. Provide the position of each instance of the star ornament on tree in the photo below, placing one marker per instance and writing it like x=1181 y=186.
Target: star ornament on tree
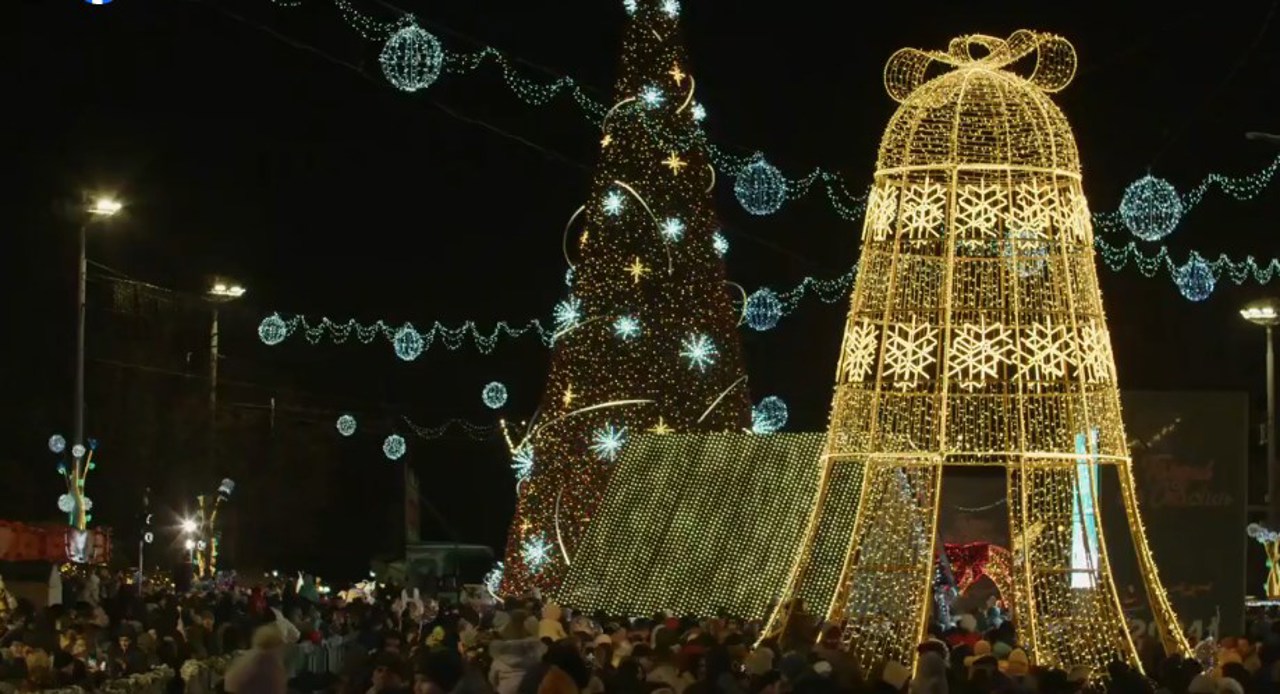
x=676 y=73
x=675 y=163
x=637 y=270
x=700 y=351
x=607 y=441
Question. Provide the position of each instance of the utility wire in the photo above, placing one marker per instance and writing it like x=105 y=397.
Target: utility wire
x=1216 y=93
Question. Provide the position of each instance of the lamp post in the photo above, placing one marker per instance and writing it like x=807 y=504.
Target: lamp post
x=102 y=208
x=220 y=293
x=1266 y=313
x=189 y=527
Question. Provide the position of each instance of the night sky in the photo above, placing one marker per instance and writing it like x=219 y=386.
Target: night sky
x=260 y=143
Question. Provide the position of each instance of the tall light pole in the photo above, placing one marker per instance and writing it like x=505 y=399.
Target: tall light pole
x=220 y=293
x=1266 y=312
x=101 y=208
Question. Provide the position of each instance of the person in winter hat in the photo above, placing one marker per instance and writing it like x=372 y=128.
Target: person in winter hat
x=516 y=651
x=894 y=678
x=550 y=627
x=931 y=675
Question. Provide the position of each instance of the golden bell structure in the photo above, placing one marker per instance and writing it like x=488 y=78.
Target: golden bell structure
x=976 y=337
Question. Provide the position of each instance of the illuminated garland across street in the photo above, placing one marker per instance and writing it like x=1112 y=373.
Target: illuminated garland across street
x=761 y=196
x=1195 y=278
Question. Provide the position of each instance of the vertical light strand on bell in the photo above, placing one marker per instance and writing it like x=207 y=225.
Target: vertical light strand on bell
x=976 y=336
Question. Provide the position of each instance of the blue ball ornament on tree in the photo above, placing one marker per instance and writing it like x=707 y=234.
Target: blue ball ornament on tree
x=411 y=59
x=769 y=415
x=1151 y=208
x=408 y=343
x=1195 y=279
x=346 y=425
x=760 y=187
x=494 y=395
x=393 y=447
x=273 y=330
x=762 y=310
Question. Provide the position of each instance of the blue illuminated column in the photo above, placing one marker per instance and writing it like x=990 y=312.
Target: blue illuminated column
x=1084 y=518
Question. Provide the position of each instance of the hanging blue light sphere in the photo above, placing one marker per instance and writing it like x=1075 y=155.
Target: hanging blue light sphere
x=57 y=444
x=1195 y=279
x=273 y=330
x=393 y=447
x=346 y=425
x=408 y=343
x=411 y=59
x=762 y=310
x=494 y=395
x=769 y=415
x=760 y=187
x=1151 y=208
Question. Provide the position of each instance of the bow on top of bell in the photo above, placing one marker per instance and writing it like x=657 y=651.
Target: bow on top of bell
x=1053 y=67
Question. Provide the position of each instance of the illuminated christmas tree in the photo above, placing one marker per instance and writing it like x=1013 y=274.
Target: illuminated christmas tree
x=646 y=339
x=976 y=339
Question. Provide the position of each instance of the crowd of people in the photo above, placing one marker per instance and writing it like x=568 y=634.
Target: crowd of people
x=389 y=642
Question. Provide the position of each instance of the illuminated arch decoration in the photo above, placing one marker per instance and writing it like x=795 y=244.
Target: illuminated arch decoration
x=955 y=356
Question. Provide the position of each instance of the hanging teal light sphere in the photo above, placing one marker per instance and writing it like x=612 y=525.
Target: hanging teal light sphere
x=411 y=59
x=763 y=310
x=408 y=343
x=66 y=503
x=57 y=444
x=769 y=415
x=494 y=395
x=393 y=447
x=1151 y=208
x=1195 y=279
x=760 y=187
x=273 y=330
x=346 y=425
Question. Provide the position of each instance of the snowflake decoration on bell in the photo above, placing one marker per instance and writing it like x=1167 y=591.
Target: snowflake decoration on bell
x=493 y=579
x=607 y=441
x=568 y=277
x=698 y=111
x=629 y=6
x=522 y=462
x=651 y=96
x=612 y=203
x=626 y=327
x=719 y=243
x=700 y=351
x=672 y=229
x=671 y=8
x=568 y=312
x=535 y=552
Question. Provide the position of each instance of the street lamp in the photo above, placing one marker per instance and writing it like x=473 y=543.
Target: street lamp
x=100 y=208
x=219 y=293
x=1266 y=313
x=189 y=526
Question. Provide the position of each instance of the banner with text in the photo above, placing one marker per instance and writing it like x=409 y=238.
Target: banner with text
x=1190 y=460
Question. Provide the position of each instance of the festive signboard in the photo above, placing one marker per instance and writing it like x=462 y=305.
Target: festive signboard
x=1190 y=461
x=53 y=543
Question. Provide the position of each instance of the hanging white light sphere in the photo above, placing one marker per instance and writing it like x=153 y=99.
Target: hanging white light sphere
x=411 y=59
x=1151 y=208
